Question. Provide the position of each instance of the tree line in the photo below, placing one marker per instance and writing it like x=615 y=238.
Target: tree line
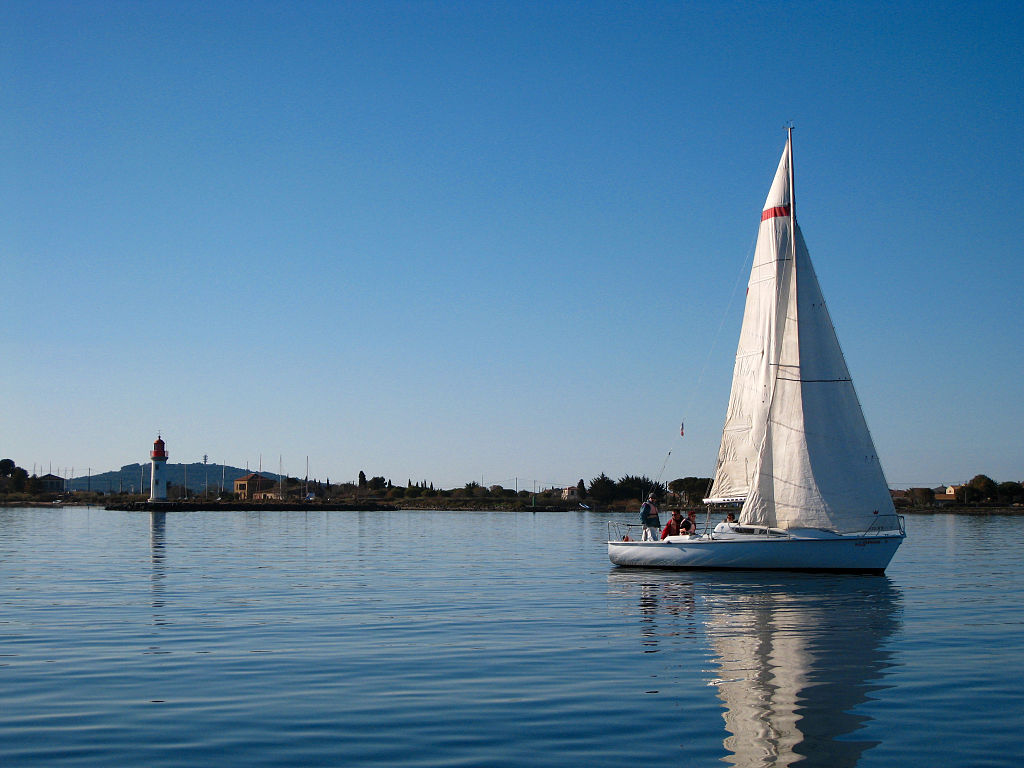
x=15 y=479
x=600 y=491
x=683 y=490
x=982 y=489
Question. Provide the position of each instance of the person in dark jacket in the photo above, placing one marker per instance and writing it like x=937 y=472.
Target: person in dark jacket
x=689 y=526
x=650 y=520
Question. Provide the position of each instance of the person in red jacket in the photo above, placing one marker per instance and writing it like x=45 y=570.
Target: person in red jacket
x=672 y=526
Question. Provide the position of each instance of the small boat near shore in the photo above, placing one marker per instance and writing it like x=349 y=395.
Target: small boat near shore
x=796 y=459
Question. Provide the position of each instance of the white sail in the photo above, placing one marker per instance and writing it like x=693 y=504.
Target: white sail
x=753 y=378
x=795 y=444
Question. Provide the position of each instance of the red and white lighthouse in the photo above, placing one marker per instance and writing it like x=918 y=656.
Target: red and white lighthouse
x=158 y=476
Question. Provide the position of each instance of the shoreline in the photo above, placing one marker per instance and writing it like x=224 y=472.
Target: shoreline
x=246 y=506
x=448 y=505
x=958 y=510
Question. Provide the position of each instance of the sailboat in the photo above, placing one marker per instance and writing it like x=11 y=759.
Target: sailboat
x=796 y=460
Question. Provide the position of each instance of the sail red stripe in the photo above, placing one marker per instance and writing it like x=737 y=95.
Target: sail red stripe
x=771 y=213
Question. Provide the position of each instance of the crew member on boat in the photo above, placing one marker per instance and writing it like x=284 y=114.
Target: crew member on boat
x=689 y=526
x=649 y=519
x=672 y=526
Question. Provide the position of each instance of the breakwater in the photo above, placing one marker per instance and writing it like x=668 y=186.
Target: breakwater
x=244 y=506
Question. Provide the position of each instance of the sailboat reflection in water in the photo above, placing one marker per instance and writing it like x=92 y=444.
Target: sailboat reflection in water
x=794 y=658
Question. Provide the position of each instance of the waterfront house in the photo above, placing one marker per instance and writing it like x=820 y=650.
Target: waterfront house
x=247 y=486
x=51 y=483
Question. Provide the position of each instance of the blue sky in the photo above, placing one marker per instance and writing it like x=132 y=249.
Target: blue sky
x=498 y=242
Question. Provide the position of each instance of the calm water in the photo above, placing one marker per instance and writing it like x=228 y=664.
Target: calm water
x=491 y=639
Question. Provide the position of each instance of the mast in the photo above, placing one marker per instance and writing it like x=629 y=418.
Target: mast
x=792 y=188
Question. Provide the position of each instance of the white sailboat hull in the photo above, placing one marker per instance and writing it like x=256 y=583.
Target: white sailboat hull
x=860 y=553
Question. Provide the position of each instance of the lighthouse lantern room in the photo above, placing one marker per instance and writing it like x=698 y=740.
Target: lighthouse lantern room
x=158 y=475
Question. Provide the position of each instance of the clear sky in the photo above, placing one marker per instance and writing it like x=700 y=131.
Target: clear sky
x=497 y=242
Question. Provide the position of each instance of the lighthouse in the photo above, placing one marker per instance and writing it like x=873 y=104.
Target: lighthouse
x=158 y=475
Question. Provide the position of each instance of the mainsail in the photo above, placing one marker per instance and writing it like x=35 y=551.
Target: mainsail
x=795 y=447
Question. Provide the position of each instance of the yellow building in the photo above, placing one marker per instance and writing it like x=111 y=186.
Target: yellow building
x=248 y=486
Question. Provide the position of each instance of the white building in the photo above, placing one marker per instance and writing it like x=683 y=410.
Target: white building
x=158 y=473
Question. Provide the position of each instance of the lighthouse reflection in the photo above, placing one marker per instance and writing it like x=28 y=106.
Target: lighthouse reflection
x=158 y=570
x=793 y=657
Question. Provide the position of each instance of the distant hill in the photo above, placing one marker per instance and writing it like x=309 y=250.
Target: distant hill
x=200 y=477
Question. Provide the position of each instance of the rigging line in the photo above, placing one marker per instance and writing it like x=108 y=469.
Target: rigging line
x=744 y=267
x=744 y=270
x=662 y=471
x=657 y=480
x=812 y=381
